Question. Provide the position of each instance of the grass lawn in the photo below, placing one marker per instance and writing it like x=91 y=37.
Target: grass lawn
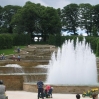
x=10 y=51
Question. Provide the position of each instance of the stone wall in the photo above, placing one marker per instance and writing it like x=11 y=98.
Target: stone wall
x=61 y=88
x=12 y=82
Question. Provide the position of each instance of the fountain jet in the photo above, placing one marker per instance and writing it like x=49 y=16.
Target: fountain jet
x=73 y=65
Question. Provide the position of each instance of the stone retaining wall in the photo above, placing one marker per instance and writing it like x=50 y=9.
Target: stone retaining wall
x=12 y=82
x=61 y=88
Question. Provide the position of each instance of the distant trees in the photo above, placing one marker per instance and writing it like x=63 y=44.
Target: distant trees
x=83 y=16
x=34 y=19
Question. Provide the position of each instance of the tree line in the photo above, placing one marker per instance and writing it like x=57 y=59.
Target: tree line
x=37 y=19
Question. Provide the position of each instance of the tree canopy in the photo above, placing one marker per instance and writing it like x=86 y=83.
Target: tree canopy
x=37 y=19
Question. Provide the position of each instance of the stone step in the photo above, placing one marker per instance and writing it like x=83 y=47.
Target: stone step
x=38 y=57
x=11 y=70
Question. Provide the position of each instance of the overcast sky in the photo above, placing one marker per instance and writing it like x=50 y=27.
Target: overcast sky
x=51 y=3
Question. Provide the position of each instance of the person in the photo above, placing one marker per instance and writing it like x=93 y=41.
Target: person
x=18 y=50
x=2 y=90
x=95 y=96
x=3 y=56
x=19 y=57
x=78 y=96
x=48 y=91
x=40 y=86
x=13 y=57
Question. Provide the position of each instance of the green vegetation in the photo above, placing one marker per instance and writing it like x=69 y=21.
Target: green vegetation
x=20 y=25
x=35 y=19
x=10 y=51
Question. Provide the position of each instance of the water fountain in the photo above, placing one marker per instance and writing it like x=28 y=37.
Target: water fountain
x=71 y=69
x=73 y=65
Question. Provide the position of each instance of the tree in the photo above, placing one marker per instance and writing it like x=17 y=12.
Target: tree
x=70 y=18
x=0 y=16
x=34 y=18
x=25 y=19
x=96 y=18
x=86 y=17
x=7 y=13
x=50 y=22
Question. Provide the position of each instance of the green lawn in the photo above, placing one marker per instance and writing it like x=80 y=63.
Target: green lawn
x=10 y=51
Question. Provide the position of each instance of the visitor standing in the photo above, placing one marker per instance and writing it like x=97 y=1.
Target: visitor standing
x=40 y=89
x=2 y=90
x=1 y=57
x=19 y=57
x=13 y=57
x=18 y=50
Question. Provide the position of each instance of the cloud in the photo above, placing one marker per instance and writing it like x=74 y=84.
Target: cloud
x=51 y=3
x=20 y=2
x=61 y=3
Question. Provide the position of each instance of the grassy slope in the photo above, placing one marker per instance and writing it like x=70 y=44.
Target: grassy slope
x=9 y=51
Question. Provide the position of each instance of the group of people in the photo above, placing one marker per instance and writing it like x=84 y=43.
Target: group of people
x=44 y=92
x=47 y=91
x=16 y=58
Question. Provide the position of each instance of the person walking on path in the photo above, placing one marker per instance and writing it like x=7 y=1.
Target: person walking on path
x=40 y=89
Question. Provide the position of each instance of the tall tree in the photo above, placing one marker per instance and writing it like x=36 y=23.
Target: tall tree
x=70 y=18
x=50 y=23
x=7 y=13
x=34 y=18
x=0 y=17
x=25 y=19
x=96 y=18
x=86 y=17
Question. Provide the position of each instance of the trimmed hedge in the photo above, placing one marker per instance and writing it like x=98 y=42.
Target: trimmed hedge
x=6 y=41
x=21 y=39
x=9 y=40
x=59 y=40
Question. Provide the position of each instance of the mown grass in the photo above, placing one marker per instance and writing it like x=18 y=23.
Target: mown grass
x=10 y=51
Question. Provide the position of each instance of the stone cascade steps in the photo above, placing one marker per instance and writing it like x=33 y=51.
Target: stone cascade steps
x=38 y=52
x=11 y=70
x=32 y=57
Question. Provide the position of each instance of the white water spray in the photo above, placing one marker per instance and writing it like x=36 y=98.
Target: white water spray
x=73 y=66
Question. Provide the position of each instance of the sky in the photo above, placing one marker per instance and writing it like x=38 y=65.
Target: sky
x=51 y=3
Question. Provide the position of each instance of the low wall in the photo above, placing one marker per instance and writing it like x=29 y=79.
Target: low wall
x=12 y=82
x=60 y=89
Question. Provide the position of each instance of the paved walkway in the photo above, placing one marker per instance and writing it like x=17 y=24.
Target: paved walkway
x=31 y=95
